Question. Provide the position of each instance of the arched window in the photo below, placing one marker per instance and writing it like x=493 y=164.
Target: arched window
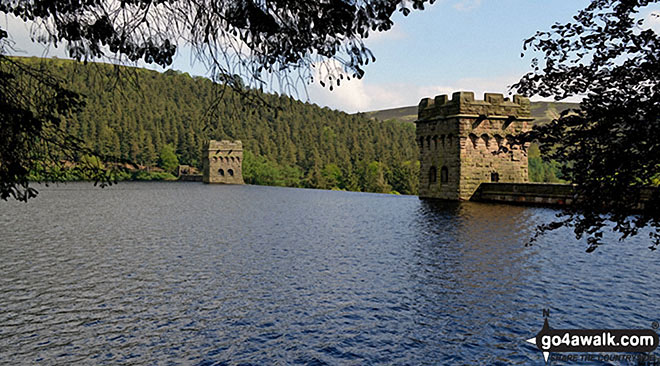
x=474 y=140
x=433 y=175
x=486 y=139
x=231 y=172
x=495 y=177
x=222 y=172
x=499 y=140
x=435 y=141
x=444 y=175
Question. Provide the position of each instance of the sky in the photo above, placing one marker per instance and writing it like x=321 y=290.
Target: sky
x=471 y=45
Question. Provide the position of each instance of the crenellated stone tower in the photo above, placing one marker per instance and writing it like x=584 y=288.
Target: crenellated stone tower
x=223 y=162
x=459 y=140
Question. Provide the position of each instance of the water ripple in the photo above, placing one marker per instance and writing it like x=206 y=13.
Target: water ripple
x=157 y=273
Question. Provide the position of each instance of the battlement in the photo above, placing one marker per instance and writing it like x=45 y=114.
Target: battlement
x=493 y=106
x=225 y=145
x=464 y=142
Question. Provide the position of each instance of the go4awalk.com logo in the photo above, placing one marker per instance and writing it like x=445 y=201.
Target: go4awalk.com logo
x=550 y=340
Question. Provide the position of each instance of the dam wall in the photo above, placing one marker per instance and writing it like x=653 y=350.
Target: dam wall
x=525 y=193
x=543 y=194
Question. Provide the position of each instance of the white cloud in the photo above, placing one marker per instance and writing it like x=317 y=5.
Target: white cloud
x=652 y=21
x=394 y=34
x=361 y=96
x=358 y=95
x=20 y=37
x=350 y=96
x=467 y=5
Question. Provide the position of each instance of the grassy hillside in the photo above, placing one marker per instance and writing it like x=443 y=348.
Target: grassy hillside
x=404 y=114
x=543 y=112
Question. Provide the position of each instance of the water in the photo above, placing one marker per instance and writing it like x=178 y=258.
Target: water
x=186 y=273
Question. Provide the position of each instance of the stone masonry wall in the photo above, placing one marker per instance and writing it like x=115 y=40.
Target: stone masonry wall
x=525 y=193
x=223 y=162
x=439 y=147
x=473 y=136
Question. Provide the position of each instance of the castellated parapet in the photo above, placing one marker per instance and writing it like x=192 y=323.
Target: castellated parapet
x=223 y=162
x=464 y=142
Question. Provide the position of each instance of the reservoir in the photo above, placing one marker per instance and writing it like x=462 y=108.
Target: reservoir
x=186 y=273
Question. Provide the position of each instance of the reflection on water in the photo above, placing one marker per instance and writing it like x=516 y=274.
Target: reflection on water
x=471 y=267
x=195 y=274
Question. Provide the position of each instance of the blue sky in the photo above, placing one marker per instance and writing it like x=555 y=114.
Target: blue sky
x=472 y=45
x=452 y=45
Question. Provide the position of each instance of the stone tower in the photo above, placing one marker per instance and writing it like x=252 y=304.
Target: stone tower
x=223 y=162
x=459 y=140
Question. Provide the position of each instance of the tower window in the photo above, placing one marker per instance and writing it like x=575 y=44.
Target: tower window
x=474 y=140
x=486 y=139
x=221 y=172
x=433 y=175
x=494 y=177
x=231 y=172
x=444 y=175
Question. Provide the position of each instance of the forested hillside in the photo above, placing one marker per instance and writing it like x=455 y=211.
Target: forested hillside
x=294 y=143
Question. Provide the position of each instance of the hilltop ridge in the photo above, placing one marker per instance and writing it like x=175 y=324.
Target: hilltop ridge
x=542 y=112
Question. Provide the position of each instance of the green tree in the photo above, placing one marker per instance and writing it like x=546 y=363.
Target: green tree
x=350 y=180
x=374 y=178
x=167 y=159
x=332 y=176
x=33 y=143
x=168 y=108
x=609 y=146
x=405 y=177
x=261 y=171
x=539 y=170
x=280 y=37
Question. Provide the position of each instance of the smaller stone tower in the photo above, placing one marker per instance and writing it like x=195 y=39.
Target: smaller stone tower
x=464 y=142
x=223 y=162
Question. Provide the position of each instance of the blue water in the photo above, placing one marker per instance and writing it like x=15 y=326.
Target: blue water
x=186 y=273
